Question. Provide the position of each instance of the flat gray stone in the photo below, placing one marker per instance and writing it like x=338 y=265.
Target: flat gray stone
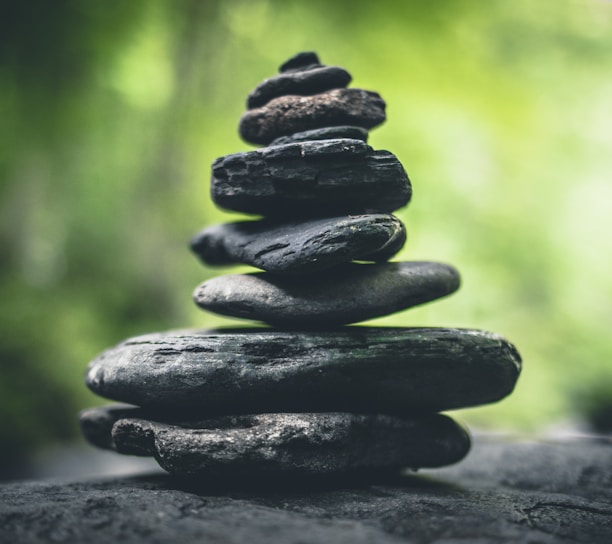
x=508 y=490
x=304 y=443
x=291 y=113
x=300 y=247
x=313 y=178
x=348 y=293
x=352 y=369
x=327 y=133
x=314 y=80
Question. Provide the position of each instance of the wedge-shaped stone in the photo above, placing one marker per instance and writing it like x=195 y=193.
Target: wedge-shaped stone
x=299 y=247
x=327 y=133
x=306 y=443
x=313 y=178
x=351 y=369
x=292 y=113
x=345 y=294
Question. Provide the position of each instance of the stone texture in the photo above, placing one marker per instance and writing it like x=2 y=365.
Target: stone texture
x=291 y=113
x=349 y=293
x=299 y=247
x=313 y=178
x=304 y=82
x=508 y=490
x=352 y=369
x=327 y=133
x=304 y=443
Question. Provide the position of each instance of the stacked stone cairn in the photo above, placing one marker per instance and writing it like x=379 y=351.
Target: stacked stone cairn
x=308 y=395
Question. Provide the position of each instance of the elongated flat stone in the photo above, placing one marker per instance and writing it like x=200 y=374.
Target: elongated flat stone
x=300 y=247
x=291 y=113
x=327 y=133
x=345 y=294
x=304 y=82
x=351 y=369
x=313 y=178
x=308 y=443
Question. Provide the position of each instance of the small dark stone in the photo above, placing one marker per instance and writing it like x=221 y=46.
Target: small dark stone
x=350 y=369
x=345 y=294
x=299 y=247
x=303 y=83
x=288 y=114
x=327 y=133
x=300 y=61
x=315 y=178
x=307 y=443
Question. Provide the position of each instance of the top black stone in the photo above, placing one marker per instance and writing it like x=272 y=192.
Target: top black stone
x=300 y=61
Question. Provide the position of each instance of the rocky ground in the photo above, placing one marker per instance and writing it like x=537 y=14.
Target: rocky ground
x=506 y=490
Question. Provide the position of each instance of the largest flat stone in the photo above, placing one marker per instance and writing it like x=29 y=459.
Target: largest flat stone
x=348 y=293
x=508 y=490
x=272 y=444
x=311 y=178
x=299 y=247
x=352 y=369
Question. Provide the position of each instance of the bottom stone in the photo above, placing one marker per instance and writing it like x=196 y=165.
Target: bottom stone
x=299 y=443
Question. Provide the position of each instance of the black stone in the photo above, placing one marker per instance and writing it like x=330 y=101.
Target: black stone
x=285 y=115
x=303 y=83
x=304 y=443
x=508 y=490
x=352 y=369
x=349 y=293
x=299 y=247
x=314 y=178
x=327 y=133
x=300 y=61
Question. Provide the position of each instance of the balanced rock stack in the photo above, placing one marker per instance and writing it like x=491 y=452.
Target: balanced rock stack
x=309 y=395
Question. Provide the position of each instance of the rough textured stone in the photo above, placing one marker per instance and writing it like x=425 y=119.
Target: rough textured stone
x=348 y=293
x=352 y=369
x=301 y=61
x=300 y=247
x=506 y=491
x=327 y=133
x=304 y=443
x=311 y=178
x=304 y=82
x=291 y=113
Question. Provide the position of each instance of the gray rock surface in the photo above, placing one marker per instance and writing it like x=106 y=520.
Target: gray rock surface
x=504 y=492
x=303 y=443
x=317 y=178
x=327 y=133
x=347 y=293
x=287 y=114
x=314 y=80
x=352 y=369
x=299 y=247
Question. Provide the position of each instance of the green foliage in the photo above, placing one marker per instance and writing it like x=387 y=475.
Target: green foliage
x=113 y=111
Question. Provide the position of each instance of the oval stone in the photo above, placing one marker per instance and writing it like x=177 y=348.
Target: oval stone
x=295 y=443
x=350 y=369
x=299 y=247
x=345 y=294
x=287 y=114
x=314 y=80
x=313 y=178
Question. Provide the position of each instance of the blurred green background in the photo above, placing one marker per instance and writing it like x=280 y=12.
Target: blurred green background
x=112 y=111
